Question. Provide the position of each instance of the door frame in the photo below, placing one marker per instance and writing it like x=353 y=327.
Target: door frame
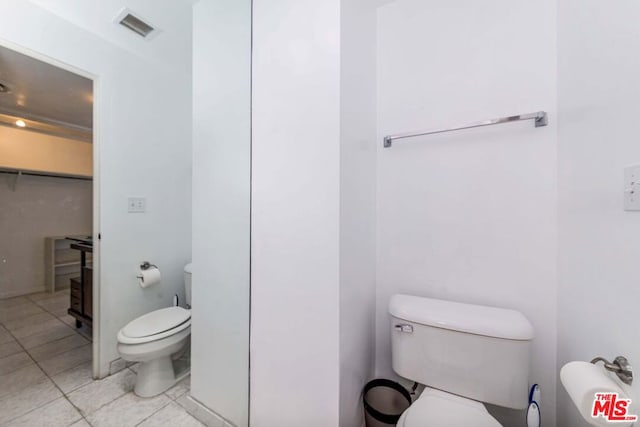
x=96 y=140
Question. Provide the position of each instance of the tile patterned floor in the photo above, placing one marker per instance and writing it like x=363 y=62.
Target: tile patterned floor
x=45 y=374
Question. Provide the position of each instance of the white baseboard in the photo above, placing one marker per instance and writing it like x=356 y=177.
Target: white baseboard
x=202 y=413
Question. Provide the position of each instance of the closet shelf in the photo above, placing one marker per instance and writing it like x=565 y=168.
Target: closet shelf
x=61 y=262
x=67 y=264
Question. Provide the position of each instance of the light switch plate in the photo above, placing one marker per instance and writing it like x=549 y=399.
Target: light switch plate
x=137 y=204
x=632 y=188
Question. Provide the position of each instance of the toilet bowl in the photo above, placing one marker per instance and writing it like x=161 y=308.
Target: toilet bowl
x=156 y=340
x=152 y=340
x=442 y=409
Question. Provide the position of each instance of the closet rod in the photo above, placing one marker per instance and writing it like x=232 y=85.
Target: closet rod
x=81 y=178
x=540 y=119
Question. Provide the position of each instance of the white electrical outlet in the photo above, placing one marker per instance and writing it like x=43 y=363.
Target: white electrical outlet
x=632 y=188
x=137 y=204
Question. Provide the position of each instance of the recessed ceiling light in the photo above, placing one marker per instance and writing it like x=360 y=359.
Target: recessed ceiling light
x=20 y=123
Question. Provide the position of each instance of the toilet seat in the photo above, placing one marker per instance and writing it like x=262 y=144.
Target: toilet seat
x=440 y=409
x=155 y=325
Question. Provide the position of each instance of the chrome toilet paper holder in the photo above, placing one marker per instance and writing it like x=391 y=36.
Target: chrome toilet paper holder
x=145 y=265
x=620 y=366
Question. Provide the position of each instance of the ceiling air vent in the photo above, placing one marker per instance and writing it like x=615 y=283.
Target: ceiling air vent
x=136 y=25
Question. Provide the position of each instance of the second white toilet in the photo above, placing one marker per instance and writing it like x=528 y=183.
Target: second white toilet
x=465 y=355
x=156 y=340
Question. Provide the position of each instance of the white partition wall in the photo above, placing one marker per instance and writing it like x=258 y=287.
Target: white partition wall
x=295 y=213
x=598 y=106
x=358 y=144
x=221 y=207
x=313 y=211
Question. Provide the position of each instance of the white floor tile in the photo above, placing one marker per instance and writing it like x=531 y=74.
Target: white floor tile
x=14 y=362
x=61 y=311
x=57 y=306
x=54 y=348
x=40 y=296
x=67 y=360
x=171 y=415
x=28 y=399
x=13 y=302
x=54 y=301
x=5 y=336
x=84 y=423
x=19 y=311
x=30 y=392
x=211 y=419
x=117 y=365
x=179 y=389
x=22 y=322
x=96 y=394
x=20 y=379
x=60 y=330
x=59 y=413
x=85 y=331
x=127 y=411
x=36 y=328
x=48 y=295
x=9 y=348
x=69 y=320
x=74 y=378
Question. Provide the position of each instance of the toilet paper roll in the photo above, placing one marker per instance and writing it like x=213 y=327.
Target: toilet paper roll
x=583 y=380
x=149 y=277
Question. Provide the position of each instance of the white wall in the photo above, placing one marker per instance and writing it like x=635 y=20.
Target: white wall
x=295 y=213
x=39 y=207
x=598 y=127
x=31 y=151
x=143 y=138
x=221 y=207
x=171 y=43
x=357 y=204
x=469 y=216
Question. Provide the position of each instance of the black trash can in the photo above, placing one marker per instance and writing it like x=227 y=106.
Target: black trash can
x=384 y=401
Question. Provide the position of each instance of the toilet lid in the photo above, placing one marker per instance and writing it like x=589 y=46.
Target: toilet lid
x=438 y=408
x=156 y=322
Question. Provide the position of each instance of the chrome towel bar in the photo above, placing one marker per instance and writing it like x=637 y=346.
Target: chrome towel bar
x=540 y=119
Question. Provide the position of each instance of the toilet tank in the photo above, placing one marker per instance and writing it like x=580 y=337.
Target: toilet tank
x=482 y=353
x=187 y=284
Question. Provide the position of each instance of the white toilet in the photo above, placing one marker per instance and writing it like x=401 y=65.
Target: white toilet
x=464 y=354
x=155 y=339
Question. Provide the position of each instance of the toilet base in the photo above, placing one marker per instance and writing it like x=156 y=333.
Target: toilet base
x=157 y=376
x=163 y=362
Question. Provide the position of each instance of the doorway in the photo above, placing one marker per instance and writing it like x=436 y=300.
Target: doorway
x=49 y=286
